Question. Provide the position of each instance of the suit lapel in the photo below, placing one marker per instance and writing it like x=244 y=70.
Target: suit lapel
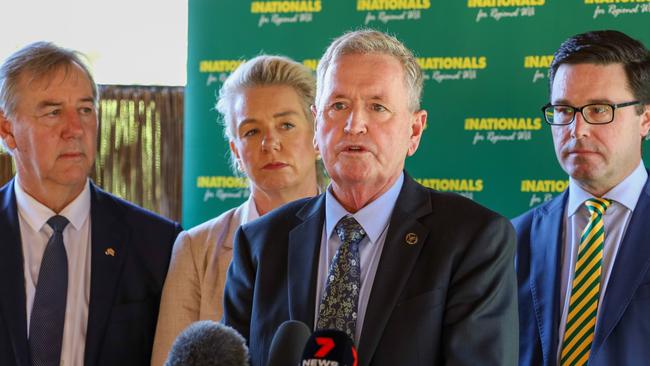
x=395 y=265
x=546 y=254
x=12 y=278
x=631 y=266
x=109 y=239
x=304 y=245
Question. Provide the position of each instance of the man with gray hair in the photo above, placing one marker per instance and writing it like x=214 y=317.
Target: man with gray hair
x=413 y=276
x=81 y=271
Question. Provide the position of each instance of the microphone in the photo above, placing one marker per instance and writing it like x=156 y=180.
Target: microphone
x=208 y=343
x=329 y=347
x=287 y=344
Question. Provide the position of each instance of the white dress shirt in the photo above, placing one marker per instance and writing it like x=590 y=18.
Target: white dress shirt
x=249 y=212
x=624 y=198
x=35 y=233
x=374 y=218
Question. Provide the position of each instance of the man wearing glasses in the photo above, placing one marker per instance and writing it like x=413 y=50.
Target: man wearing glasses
x=583 y=258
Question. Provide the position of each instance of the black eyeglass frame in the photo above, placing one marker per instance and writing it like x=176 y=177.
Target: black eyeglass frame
x=579 y=109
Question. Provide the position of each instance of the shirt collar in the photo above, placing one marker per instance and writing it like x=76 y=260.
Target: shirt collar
x=374 y=217
x=249 y=212
x=626 y=193
x=36 y=214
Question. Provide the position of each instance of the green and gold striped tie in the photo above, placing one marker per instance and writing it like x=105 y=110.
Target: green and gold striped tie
x=585 y=288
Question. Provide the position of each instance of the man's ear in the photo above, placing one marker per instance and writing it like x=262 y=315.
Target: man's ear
x=7 y=131
x=418 y=124
x=645 y=121
x=314 y=114
x=314 y=111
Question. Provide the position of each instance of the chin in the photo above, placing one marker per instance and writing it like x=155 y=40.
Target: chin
x=350 y=178
x=73 y=177
x=274 y=185
x=76 y=181
x=356 y=171
x=583 y=173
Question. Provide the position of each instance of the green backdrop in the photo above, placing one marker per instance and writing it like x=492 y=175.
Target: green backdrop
x=485 y=64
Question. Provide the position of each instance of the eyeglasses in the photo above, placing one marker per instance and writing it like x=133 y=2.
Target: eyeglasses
x=595 y=114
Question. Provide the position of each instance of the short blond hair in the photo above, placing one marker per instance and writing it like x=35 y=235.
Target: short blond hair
x=265 y=70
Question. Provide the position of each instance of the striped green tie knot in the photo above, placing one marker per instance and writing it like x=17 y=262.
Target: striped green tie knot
x=597 y=206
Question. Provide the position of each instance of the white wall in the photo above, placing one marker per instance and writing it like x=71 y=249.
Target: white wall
x=127 y=41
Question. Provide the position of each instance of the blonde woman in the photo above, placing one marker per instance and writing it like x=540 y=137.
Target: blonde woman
x=265 y=104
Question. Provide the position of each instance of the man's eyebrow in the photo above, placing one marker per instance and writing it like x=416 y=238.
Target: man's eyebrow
x=48 y=103
x=53 y=103
x=373 y=97
x=590 y=101
x=337 y=96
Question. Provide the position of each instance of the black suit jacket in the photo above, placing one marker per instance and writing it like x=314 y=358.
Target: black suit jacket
x=448 y=299
x=124 y=289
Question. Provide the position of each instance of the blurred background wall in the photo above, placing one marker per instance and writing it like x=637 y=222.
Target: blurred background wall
x=160 y=64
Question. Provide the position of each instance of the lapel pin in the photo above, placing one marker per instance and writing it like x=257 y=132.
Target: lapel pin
x=110 y=252
x=411 y=238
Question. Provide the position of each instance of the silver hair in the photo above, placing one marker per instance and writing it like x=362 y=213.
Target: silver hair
x=368 y=41
x=36 y=60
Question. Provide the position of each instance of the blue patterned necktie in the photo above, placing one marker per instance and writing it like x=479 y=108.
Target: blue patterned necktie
x=48 y=311
x=338 y=307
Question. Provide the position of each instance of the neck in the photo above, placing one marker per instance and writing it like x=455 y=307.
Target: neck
x=54 y=197
x=354 y=197
x=266 y=201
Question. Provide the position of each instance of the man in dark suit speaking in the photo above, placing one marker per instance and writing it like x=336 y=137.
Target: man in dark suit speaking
x=413 y=276
x=81 y=271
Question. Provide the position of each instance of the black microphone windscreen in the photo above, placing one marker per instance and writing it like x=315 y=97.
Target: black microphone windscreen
x=329 y=347
x=208 y=343
x=288 y=343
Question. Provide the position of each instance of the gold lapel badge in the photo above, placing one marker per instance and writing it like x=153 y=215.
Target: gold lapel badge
x=411 y=238
x=110 y=251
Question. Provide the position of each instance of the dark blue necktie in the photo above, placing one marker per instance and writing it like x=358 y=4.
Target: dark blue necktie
x=338 y=307
x=48 y=311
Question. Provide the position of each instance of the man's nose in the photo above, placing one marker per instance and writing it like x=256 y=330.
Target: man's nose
x=73 y=124
x=580 y=127
x=357 y=122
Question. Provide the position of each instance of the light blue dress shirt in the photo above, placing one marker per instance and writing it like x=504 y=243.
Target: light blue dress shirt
x=374 y=218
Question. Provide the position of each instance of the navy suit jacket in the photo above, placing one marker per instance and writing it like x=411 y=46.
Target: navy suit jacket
x=449 y=298
x=124 y=289
x=623 y=328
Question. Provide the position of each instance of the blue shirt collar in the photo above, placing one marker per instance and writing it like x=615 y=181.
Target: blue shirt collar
x=373 y=218
x=626 y=193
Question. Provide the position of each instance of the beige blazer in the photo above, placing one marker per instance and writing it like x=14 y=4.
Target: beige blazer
x=195 y=282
